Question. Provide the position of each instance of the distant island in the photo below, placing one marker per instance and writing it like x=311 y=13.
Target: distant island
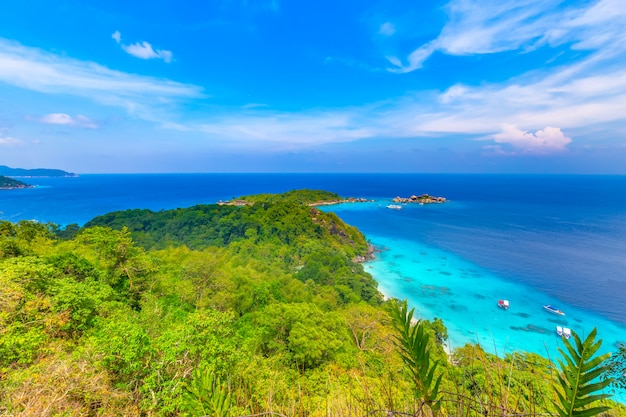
x=308 y=197
x=9 y=183
x=321 y=198
x=30 y=173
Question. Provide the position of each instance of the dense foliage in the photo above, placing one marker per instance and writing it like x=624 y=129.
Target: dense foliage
x=296 y=225
x=294 y=196
x=131 y=320
x=617 y=367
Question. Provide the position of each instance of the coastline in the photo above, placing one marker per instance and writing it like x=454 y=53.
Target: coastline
x=387 y=296
x=496 y=331
x=479 y=197
x=465 y=297
x=93 y=194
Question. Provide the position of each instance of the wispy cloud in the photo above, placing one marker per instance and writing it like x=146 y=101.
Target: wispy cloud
x=38 y=70
x=570 y=97
x=387 y=29
x=542 y=111
x=67 y=120
x=284 y=130
x=143 y=49
x=9 y=141
x=526 y=116
x=476 y=27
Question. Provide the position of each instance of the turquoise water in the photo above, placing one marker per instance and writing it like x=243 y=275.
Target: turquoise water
x=441 y=284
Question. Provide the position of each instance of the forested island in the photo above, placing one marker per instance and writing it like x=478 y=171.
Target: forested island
x=239 y=310
x=36 y=172
x=308 y=197
x=7 y=183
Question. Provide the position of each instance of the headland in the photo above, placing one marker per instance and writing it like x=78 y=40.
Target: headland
x=32 y=173
x=10 y=184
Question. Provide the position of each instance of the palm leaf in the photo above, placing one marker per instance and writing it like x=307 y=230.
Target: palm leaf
x=578 y=381
x=205 y=395
x=413 y=343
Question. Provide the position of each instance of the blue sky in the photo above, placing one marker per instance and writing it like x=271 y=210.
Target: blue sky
x=508 y=86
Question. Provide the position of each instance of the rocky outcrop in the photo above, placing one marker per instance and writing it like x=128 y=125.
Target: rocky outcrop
x=317 y=203
x=345 y=200
x=367 y=257
x=423 y=199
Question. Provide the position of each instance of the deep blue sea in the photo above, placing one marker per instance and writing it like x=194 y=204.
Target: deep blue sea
x=531 y=239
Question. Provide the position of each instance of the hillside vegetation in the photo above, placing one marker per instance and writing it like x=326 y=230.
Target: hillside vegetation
x=231 y=311
x=6 y=182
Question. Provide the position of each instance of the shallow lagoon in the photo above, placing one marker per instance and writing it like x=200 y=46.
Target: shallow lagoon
x=441 y=284
x=438 y=283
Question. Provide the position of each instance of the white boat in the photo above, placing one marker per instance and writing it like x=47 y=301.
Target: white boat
x=567 y=332
x=559 y=330
x=503 y=304
x=553 y=309
x=394 y=207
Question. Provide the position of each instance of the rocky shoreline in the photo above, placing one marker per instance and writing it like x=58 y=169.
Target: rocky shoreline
x=421 y=199
x=369 y=255
x=345 y=200
x=314 y=204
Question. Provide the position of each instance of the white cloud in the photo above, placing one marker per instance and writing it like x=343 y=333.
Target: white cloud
x=254 y=105
x=57 y=119
x=588 y=95
x=571 y=98
x=143 y=50
x=67 y=120
x=387 y=29
x=478 y=27
x=37 y=70
x=415 y=59
x=452 y=93
x=548 y=140
x=284 y=130
x=9 y=141
x=585 y=95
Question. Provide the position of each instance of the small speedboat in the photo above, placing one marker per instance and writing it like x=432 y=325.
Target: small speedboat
x=553 y=309
x=394 y=207
x=567 y=333
x=503 y=304
x=559 y=330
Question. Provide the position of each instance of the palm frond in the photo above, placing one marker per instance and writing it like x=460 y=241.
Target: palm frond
x=578 y=383
x=413 y=345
